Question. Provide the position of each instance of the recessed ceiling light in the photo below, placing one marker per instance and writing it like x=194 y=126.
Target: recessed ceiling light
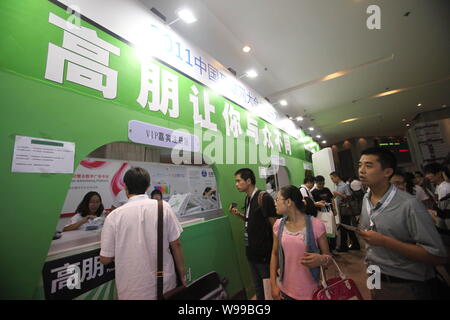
x=311 y=129
x=186 y=15
x=444 y=105
x=349 y=120
x=403 y=119
x=299 y=118
x=324 y=141
x=246 y=49
x=251 y=73
x=419 y=105
x=318 y=136
x=408 y=125
x=283 y=103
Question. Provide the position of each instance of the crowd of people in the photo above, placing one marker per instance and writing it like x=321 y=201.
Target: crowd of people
x=402 y=219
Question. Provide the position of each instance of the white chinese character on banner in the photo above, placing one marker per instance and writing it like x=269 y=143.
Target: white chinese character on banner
x=278 y=141
x=252 y=129
x=150 y=83
x=208 y=109
x=267 y=142
x=87 y=58
x=87 y=269
x=287 y=144
x=232 y=120
x=62 y=275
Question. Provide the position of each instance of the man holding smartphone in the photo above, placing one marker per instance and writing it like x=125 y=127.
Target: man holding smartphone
x=400 y=235
x=258 y=227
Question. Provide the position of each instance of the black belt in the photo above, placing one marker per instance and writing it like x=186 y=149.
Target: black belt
x=392 y=279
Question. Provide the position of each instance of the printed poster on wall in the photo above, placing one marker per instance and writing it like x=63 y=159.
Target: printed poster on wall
x=106 y=178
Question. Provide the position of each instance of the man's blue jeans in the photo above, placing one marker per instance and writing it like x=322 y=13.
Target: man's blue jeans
x=259 y=271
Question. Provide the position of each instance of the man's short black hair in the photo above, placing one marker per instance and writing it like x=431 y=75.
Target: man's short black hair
x=419 y=173
x=137 y=180
x=320 y=179
x=433 y=168
x=335 y=174
x=385 y=157
x=309 y=179
x=246 y=174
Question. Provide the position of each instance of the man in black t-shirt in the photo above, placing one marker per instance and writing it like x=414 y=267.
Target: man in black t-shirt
x=324 y=195
x=258 y=228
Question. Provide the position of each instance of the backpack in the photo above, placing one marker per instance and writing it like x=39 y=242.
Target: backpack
x=310 y=207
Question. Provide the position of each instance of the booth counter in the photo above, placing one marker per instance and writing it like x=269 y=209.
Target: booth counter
x=202 y=253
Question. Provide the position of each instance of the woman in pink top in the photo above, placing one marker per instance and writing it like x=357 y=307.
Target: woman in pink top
x=297 y=281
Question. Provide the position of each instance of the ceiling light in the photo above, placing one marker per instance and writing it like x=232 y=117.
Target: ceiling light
x=318 y=136
x=349 y=120
x=251 y=73
x=283 y=103
x=408 y=125
x=324 y=141
x=246 y=49
x=186 y=15
x=311 y=129
x=299 y=118
x=444 y=105
x=419 y=105
x=403 y=120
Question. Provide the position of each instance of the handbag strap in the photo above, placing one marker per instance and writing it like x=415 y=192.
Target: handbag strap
x=324 y=278
x=280 y=247
x=159 y=271
x=311 y=246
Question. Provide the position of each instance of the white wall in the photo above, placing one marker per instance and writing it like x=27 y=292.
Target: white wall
x=323 y=165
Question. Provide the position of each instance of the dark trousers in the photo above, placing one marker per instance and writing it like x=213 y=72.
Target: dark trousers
x=259 y=271
x=414 y=290
x=332 y=243
x=344 y=232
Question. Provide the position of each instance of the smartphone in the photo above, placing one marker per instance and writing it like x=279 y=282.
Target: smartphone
x=351 y=228
x=233 y=205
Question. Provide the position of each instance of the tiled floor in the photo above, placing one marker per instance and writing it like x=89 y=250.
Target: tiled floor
x=352 y=265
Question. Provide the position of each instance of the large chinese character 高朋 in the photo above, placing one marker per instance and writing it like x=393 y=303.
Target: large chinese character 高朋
x=150 y=84
x=87 y=58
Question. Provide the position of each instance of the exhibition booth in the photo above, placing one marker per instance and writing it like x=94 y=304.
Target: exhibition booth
x=73 y=83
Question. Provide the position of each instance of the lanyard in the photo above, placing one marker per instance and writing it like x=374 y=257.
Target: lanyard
x=383 y=206
x=247 y=211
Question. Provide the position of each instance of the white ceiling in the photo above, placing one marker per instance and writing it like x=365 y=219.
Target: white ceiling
x=295 y=42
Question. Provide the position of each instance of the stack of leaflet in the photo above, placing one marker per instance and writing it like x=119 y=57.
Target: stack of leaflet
x=179 y=202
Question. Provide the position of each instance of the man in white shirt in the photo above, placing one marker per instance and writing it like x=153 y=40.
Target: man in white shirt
x=129 y=237
x=434 y=172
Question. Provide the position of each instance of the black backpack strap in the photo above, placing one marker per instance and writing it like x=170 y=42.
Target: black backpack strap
x=159 y=271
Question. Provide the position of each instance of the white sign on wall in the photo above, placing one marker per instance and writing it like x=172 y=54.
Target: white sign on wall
x=145 y=133
x=42 y=155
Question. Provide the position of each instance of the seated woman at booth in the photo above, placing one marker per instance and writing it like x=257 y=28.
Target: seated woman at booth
x=156 y=194
x=89 y=208
x=210 y=193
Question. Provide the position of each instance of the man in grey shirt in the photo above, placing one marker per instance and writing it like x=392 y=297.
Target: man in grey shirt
x=343 y=192
x=400 y=235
